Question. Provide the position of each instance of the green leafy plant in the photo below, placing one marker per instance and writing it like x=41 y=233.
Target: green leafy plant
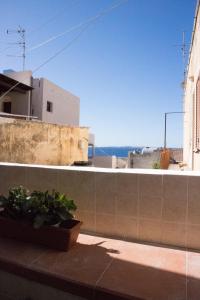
x=38 y=208
x=156 y=165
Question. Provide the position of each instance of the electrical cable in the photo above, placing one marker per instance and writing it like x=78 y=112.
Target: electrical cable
x=74 y=2
x=53 y=18
x=99 y=15
x=68 y=44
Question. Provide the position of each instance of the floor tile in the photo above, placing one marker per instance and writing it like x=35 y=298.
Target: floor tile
x=23 y=253
x=143 y=282
x=193 y=275
x=83 y=263
x=147 y=272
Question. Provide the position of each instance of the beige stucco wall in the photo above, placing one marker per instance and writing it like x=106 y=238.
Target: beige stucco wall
x=42 y=143
x=191 y=158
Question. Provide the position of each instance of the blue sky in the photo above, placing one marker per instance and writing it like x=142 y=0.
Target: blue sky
x=126 y=67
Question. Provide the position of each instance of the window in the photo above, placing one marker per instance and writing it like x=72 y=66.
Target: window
x=49 y=106
x=7 y=107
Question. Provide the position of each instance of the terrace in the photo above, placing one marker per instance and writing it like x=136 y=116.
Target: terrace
x=140 y=236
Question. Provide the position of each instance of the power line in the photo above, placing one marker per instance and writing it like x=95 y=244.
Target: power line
x=40 y=27
x=62 y=49
x=76 y=27
x=4 y=49
x=21 y=43
x=53 y=18
x=68 y=44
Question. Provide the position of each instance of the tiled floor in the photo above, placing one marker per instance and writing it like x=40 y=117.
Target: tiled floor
x=109 y=269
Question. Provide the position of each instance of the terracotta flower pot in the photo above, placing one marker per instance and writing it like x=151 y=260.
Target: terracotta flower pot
x=60 y=238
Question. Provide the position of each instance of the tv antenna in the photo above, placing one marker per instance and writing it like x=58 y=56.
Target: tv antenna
x=184 y=54
x=184 y=51
x=22 y=43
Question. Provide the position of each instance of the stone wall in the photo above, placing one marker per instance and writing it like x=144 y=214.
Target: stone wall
x=140 y=205
x=35 y=142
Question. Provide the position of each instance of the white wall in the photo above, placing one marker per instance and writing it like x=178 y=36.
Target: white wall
x=143 y=161
x=66 y=106
x=37 y=99
x=105 y=161
x=19 y=103
x=190 y=158
x=23 y=76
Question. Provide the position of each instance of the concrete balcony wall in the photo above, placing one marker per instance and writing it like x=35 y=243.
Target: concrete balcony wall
x=146 y=205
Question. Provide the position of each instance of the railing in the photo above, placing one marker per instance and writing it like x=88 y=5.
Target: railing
x=6 y=115
x=147 y=205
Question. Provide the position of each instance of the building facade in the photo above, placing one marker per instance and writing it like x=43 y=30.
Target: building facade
x=40 y=98
x=191 y=146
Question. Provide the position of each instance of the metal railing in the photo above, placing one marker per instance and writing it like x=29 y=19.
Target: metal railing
x=24 y=117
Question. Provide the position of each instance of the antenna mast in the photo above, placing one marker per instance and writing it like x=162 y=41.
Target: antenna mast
x=184 y=53
x=22 y=42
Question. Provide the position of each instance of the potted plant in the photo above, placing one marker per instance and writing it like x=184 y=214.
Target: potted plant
x=39 y=217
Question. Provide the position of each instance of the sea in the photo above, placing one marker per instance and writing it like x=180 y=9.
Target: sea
x=117 y=151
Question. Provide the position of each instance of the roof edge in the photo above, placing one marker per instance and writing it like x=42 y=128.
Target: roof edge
x=193 y=33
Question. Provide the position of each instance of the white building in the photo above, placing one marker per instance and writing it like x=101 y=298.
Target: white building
x=191 y=151
x=38 y=97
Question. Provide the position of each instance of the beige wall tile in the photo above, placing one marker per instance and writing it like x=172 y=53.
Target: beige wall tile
x=193 y=236
x=149 y=230
x=127 y=194
x=150 y=185
x=126 y=227
x=11 y=176
x=80 y=186
x=85 y=190
x=88 y=220
x=105 y=184
x=105 y=224
x=150 y=207
x=175 y=198
x=67 y=182
x=42 y=179
x=194 y=200
x=173 y=234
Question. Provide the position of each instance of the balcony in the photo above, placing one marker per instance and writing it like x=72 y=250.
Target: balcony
x=140 y=236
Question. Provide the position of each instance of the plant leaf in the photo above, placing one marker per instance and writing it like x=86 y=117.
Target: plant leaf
x=39 y=221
